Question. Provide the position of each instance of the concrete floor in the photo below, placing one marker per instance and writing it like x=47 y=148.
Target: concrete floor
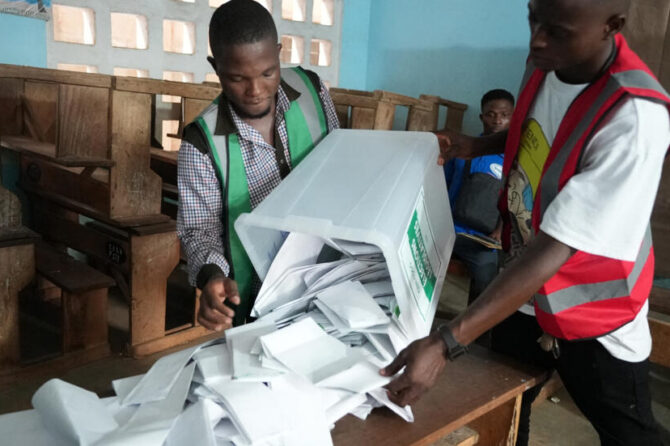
x=554 y=421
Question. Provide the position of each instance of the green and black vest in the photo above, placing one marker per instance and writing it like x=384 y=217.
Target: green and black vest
x=305 y=124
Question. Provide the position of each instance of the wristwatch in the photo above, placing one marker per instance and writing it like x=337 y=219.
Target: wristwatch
x=454 y=348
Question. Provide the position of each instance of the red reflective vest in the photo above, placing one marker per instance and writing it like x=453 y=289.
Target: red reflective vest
x=590 y=295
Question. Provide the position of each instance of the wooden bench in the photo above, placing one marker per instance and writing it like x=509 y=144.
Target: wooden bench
x=17 y=271
x=83 y=299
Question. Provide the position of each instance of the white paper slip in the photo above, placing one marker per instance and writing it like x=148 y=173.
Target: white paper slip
x=194 y=426
x=26 y=428
x=340 y=273
x=382 y=396
x=297 y=250
x=382 y=344
x=214 y=362
x=345 y=406
x=253 y=408
x=338 y=324
x=356 y=248
x=360 y=378
x=307 y=350
x=150 y=425
x=286 y=289
x=353 y=304
x=158 y=381
x=123 y=386
x=303 y=416
x=241 y=341
x=72 y=412
x=320 y=270
x=379 y=288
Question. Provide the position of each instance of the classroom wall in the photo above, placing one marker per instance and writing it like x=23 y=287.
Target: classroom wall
x=22 y=42
x=457 y=49
x=355 y=44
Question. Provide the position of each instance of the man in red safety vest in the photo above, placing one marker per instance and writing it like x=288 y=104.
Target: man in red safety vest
x=583 y=160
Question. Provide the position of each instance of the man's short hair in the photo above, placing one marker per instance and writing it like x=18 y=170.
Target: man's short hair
x=240 y=22
x=496 y=94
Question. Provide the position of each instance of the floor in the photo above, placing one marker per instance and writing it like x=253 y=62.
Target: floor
x=555 y=420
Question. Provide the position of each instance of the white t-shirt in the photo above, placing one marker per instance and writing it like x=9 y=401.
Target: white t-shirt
x=604 y=209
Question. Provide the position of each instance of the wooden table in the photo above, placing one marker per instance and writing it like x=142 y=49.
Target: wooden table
x=481 y=389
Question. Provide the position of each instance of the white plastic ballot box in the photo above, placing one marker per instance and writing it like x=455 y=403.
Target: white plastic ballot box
x=378 y=187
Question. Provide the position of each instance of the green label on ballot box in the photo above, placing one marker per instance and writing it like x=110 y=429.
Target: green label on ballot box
x=419 y=257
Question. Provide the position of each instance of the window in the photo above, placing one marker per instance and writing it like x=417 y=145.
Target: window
x=147 y=37
x=129 y=31
x=73 y=25
x=319 y=53
x=322 y=12
x=267 y=4
x=292 y=49
x=177 y=76
x=80 y=68
x=293 y=10
x=170 y=127
x=216 y=3
x=178 y=37
x=211 y=77
x=130 y=72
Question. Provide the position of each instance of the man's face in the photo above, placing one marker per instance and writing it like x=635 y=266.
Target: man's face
x=496 y=115
x=250 y=76
x=565 y=33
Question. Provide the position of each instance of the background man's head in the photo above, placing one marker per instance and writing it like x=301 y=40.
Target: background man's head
x=566 y=34
x=243 y=38
x=497 y=108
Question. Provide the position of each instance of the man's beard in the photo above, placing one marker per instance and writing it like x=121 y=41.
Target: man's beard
x=244 y=115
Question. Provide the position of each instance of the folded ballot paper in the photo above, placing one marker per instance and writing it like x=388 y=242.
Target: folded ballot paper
x=352 y=248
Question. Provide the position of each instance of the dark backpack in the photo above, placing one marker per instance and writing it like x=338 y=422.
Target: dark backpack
x=477 y=203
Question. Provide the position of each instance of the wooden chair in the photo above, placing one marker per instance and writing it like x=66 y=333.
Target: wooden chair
x=357 y=109
x=421 y=119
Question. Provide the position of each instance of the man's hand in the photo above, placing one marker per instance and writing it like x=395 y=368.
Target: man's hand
x=423 y=360
x=213 y=313
x=453 y=145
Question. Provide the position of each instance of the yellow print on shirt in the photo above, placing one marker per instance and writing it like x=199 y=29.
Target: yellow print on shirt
x=524 y=179
x=533 y=152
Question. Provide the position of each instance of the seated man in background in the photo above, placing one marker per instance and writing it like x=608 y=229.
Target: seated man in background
x=238 y=150
x=474 y=186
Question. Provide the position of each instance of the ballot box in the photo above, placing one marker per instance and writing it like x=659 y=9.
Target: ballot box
x=379 y=188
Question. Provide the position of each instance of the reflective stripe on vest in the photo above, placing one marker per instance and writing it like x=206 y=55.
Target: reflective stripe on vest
x=305 y=126
x=590 y=295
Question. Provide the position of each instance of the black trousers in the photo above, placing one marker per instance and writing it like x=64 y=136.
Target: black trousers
x=612 y=394
x=482 y=264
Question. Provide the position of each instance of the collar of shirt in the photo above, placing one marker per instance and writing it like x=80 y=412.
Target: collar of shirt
x=228 y=122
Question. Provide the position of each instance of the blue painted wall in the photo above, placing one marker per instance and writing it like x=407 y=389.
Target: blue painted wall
x=22 y=42
x=457 y=49
x=355 y=44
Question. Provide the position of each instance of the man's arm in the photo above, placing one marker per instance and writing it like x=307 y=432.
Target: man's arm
x=200 y=229
x=458 y=145
x=424 y=359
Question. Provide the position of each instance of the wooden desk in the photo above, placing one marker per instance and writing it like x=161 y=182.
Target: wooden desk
x=480 y=389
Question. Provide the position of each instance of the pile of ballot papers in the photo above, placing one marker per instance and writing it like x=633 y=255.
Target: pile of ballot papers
x=325 y=326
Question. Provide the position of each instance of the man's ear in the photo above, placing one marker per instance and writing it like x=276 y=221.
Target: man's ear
x=481 y=117
x=614 y=25
x=279 y=47
x=212 y=62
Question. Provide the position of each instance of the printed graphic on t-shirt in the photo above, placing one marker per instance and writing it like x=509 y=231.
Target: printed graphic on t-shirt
x=523 y=182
